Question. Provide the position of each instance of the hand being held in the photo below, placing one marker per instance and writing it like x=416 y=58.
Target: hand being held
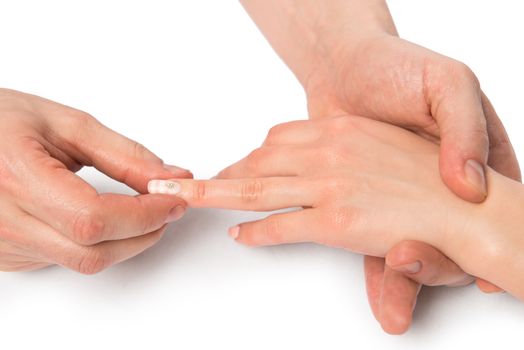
x=362 y=185
x=48 y=215
x=389 y=79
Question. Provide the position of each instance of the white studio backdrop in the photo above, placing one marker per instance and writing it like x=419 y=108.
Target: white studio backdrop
x=196 y=82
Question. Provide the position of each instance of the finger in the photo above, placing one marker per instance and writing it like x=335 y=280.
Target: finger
x=374 y=272
x=397 y=301
x=294 y=227
x=124 y=160
x=487 y=287
x=58 y=197
x=502 y=157
x=426 y=265
x=260 y=194
x=458 y=112
x=54 y=248
x=271 y=161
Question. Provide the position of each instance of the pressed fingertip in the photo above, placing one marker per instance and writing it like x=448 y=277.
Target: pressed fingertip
x=234 y=231
x=476 y=176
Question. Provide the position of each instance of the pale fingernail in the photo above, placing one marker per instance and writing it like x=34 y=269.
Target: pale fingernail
x=175 y=214
x=414 y=267
x=173 y=169
x=475 y=175
x=234 y=231
x=163 y=187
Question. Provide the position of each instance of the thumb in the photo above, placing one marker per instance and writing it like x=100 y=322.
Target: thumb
x=458 y=111
x=122 y=159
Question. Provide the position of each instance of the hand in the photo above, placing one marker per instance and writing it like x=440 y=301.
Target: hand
x=363 y=186
x=48 y=215
x=348 y=57
x=392 y=80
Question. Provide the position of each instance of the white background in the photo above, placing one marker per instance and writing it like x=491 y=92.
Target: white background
x=196 y=82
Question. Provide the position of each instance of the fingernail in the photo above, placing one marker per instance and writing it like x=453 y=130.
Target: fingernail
x=173 y=169
x=234 y=231
x=176 y=214
x=414 y=267
x=475 y=175
x=163 y=187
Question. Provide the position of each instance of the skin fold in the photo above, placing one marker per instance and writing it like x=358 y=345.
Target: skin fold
x=348 y=57
x=364 y=193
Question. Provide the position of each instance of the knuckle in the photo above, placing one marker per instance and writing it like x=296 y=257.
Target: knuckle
x=251 y=190
x=199 y=192
x=139 y=151
x=87 y=229
x=271 y=230
x=82 y=117
x=92 y=261
x=334 y=155
x=343 y=124
x=275 y=133
x=256 y=158
x=462 y=72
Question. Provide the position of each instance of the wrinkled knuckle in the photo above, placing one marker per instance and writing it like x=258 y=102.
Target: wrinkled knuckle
x=199 y=191
x=92 y=261
x=87 y=229
x=251 y=191
x=272 y=230
x=139 y=151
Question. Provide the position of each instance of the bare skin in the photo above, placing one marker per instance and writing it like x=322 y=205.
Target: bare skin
x=48 y=215
x=365 y=193
x=350 y=60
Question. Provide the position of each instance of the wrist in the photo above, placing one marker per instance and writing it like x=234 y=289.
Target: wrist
x=492 y=246
x=308 y=34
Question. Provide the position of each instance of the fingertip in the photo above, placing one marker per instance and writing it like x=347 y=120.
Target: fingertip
x=234 y=232
x=487 y=287
x=396 y=323
x=405 y=253
x=176 y=213
x=465 y=179
x=476 y=177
